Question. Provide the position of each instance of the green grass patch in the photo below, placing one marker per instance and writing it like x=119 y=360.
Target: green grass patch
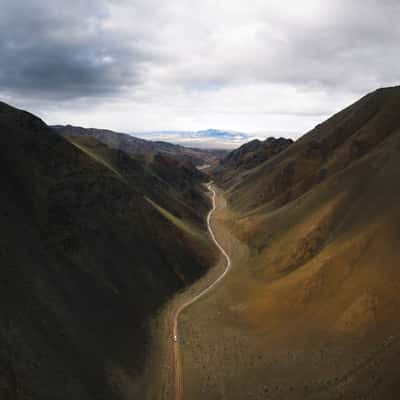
x=179 y=223
x=96 y=157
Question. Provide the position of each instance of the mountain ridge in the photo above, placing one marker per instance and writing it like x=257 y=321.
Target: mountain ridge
x=310 y=307
x=205 y=139
x=134 y=145
x=87 y=259
x=248 y=156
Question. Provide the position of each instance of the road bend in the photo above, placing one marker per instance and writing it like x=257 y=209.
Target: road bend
x=177 y=364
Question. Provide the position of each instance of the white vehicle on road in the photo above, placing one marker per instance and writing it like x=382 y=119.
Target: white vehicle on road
x=175 y=338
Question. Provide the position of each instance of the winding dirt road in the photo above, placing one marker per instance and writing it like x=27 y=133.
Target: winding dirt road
x=177 y=365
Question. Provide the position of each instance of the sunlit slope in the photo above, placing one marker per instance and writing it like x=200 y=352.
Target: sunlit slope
x=310 y=309
x=330 y=147
x=321 y=220
x=329 y=258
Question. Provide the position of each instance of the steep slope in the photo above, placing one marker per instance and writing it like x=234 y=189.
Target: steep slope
x=174 y=184
x=134 y=146
x=248 y=156
x=329 y=148
x=92 y=243
x=310 y=308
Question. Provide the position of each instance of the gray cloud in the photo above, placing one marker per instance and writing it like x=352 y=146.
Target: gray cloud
x=64 y=50
x=353 y=45
x=267 y=65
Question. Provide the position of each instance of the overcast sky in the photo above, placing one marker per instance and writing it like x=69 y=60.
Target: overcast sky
x=259 y=66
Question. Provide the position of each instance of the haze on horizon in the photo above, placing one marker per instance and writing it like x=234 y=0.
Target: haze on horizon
x=148 y=65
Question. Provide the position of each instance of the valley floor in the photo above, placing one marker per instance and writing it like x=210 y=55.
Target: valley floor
x=223 y=357
x=159 y=376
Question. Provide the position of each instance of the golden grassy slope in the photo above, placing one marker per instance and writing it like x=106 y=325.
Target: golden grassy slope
x=312 y=311
x=330 y=256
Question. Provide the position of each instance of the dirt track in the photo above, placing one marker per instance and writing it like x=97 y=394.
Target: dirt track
x=177 y=365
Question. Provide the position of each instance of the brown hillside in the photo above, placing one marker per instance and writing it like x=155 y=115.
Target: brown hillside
x=247 y=157
x=330 y=147
x=310 y=309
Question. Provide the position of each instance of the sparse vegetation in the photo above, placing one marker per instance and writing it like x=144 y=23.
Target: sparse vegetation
x=86 y=260
x=87 y=150
x=313 y=294
x=95 y=241
x=179 y=223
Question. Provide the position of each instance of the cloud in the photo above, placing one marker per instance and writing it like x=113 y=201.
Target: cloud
x=208 y=139
x=136 y=65
x=309 y=44
x=58 y=51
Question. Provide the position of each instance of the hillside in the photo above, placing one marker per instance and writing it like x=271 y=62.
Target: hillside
x=310 y=308
x=331 y=147
x=134 y=146
x=247 y=157
x=93 y=242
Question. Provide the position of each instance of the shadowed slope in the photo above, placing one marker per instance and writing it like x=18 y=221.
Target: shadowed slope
x=134 y=146
x=85 y=261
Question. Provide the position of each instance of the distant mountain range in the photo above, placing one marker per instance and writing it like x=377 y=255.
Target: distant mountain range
x=133 y=145
x=209 y=138
x=99 y=229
